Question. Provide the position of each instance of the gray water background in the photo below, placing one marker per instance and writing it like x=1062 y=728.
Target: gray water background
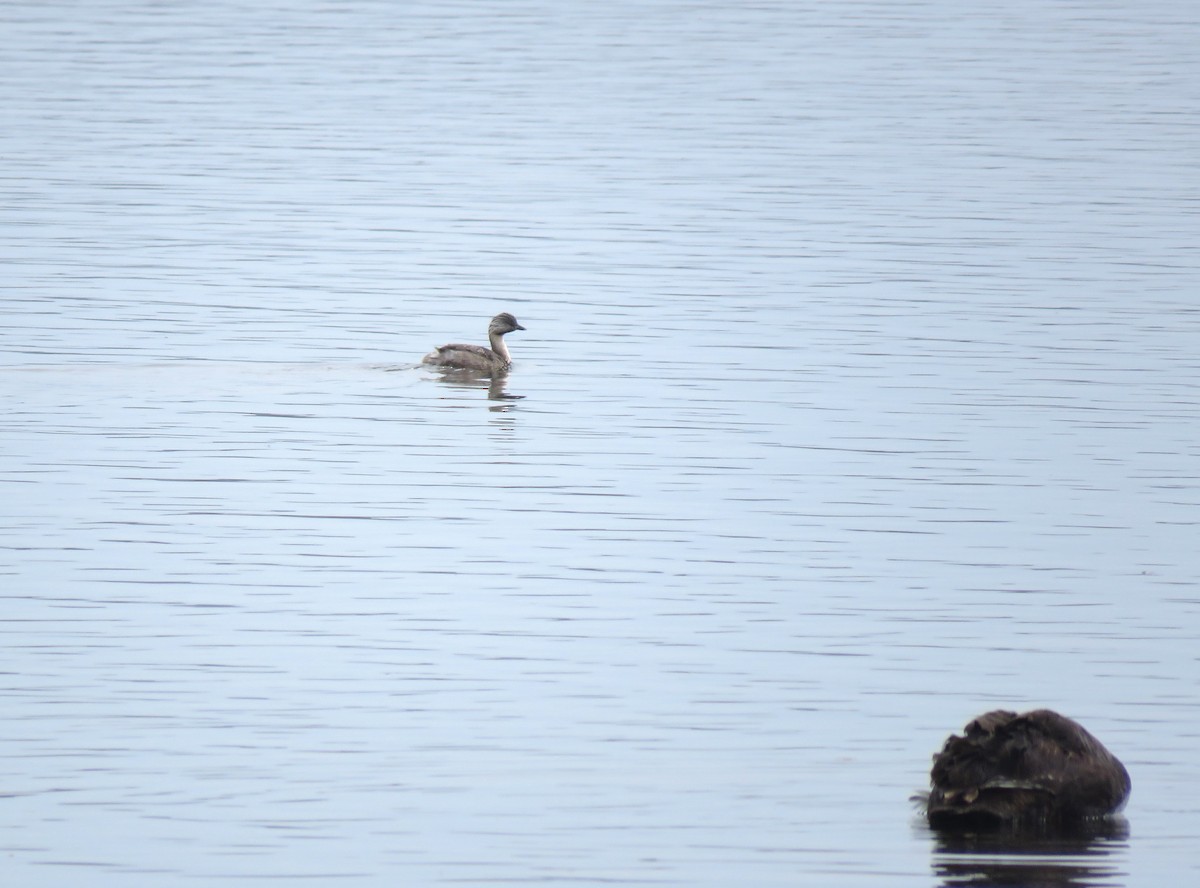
x=859 y=396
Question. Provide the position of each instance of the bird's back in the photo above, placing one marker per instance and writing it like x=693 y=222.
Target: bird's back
x=460 y=356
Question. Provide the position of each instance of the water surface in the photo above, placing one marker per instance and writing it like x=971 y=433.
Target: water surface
x=859 y=396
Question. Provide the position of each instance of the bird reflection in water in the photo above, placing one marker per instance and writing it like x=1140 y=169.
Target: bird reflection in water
x=496 y=385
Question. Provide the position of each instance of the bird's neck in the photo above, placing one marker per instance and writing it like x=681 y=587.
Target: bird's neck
x=498 y=346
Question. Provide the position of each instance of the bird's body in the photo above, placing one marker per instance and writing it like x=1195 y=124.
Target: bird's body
x=477 y=358
x=1035 y=770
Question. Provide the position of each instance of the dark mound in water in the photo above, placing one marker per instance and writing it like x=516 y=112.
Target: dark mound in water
x=1039 y=770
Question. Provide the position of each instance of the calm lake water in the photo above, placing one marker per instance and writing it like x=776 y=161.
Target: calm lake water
x=860 y=395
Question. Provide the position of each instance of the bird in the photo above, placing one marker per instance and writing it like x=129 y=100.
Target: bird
x=1038 y=770
x=491 y=361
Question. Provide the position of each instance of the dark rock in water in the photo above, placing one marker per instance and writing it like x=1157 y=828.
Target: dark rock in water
x=1039 y=770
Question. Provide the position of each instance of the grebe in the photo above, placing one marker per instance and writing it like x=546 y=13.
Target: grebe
x=1036 y=770
x=475 y=357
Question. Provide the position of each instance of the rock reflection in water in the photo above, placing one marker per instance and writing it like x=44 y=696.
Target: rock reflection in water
x=1080 y=858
